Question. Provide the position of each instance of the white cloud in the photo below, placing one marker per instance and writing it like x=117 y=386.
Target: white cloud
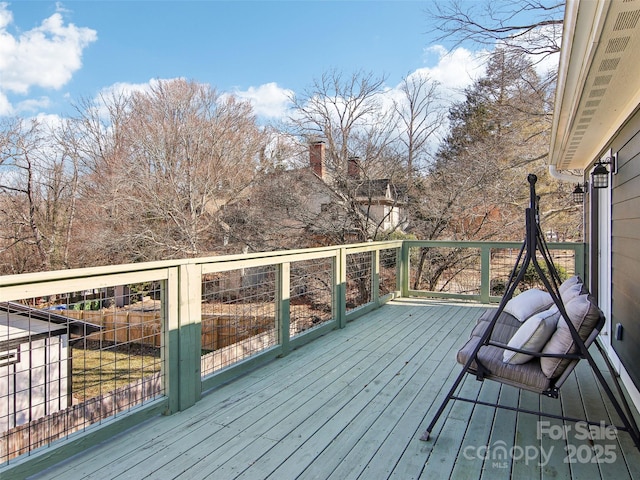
x=118 y=90
x=5 y=106
x=6 y=17
x=46 y=56
x=268 y=100
x=452 y=71
x=539 y=41
x=455 y=70
x=33 y=105
x=126 y=89
x=52 y=120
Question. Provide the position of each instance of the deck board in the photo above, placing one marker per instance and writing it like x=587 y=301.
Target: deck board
x=595 y=408
x=502 y=440
x=528 y=462
x=554 y=448
x=468 y=465
x=573 y=407
x=352 y=405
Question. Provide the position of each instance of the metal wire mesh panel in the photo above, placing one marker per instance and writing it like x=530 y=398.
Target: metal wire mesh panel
x=311 y=296
x=359 y=272
x=504 y=259
x=446 y=269
x=388 y=271
x=68 y=361
x=238 y=316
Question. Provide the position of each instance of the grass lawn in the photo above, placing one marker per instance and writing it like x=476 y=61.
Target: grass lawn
x=97 y=372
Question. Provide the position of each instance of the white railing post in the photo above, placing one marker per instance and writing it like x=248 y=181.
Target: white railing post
x=171 y=339
x=190 y=333
x=283 y=302
x=485 y=273
x=341 y=287
x=375 y=276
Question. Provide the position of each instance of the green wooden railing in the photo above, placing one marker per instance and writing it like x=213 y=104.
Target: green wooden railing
x=475 y=270
x=269 y=303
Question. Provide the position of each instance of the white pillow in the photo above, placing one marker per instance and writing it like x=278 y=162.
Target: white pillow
x=532 y=335
x=528 y=303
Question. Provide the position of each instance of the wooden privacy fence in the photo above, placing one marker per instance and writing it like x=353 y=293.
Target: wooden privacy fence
x=219 y=331
x=127 y=326
x=42 y=431
x=144 y=328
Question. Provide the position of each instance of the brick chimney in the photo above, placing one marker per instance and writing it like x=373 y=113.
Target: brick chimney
x=316 y=158
x=353 y=167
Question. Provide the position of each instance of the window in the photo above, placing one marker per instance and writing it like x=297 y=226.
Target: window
x=9 y=357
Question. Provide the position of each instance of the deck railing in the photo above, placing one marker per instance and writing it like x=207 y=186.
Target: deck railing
x=475 y=270
x=86 y=353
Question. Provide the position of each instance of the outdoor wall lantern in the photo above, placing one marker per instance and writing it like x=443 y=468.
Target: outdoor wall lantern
x=600 y=174
x=578 y=194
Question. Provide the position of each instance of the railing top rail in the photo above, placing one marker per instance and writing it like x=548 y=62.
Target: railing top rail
x=479 y=244
x=49 y=276
x=40 y=277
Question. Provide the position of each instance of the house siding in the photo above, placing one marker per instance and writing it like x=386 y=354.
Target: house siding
x=35 y=384
x=625 y=247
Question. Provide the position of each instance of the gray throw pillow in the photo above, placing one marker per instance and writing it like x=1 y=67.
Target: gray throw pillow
x=528 y=303
x=584 y=315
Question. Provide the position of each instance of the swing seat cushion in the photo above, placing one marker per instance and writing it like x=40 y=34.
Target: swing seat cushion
x=537 y=374
x=528 y=375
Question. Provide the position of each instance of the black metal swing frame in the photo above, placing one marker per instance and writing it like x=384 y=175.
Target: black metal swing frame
x=533 y=245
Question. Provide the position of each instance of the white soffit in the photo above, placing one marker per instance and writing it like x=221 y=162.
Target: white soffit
x=598 y=79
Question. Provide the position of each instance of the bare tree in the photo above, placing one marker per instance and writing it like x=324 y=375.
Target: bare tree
x=349 y=115
x=39 y=183
x=164 y=163
x=420 y=116
x=531 y=27
x=343 y=111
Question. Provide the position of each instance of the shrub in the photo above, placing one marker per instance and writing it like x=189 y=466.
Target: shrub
x=532 y=278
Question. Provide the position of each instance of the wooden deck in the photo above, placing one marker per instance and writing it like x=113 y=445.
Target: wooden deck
x=353 y=404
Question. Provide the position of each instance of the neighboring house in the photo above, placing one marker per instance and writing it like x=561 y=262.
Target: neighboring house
x=282 y=207
x=597 y=118
x=35 y=368
x=279 y=209
x=383 y=202
x=380 y=200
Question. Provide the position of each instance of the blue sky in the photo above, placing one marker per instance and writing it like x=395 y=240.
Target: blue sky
x=54 y=53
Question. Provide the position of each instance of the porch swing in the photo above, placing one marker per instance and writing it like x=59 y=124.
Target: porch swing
x=526 y=342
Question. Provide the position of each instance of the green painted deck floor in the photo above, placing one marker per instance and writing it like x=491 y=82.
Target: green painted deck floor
x=354 y=403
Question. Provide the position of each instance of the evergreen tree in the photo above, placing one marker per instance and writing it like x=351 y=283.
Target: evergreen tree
x=476 y=188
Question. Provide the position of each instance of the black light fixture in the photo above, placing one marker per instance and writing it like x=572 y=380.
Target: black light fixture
x=578 y=194
x=600 y=174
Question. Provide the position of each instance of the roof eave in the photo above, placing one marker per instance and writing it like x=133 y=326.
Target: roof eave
x=597 y=87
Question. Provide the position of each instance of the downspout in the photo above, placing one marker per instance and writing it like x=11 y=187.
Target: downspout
x=565 y=177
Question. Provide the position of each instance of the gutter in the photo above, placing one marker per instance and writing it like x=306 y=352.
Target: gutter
x=565 y=177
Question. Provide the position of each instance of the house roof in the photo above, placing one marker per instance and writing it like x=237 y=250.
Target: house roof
x=19 y=322
x=381 y=188
x=598 y=79
x=17 y=329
